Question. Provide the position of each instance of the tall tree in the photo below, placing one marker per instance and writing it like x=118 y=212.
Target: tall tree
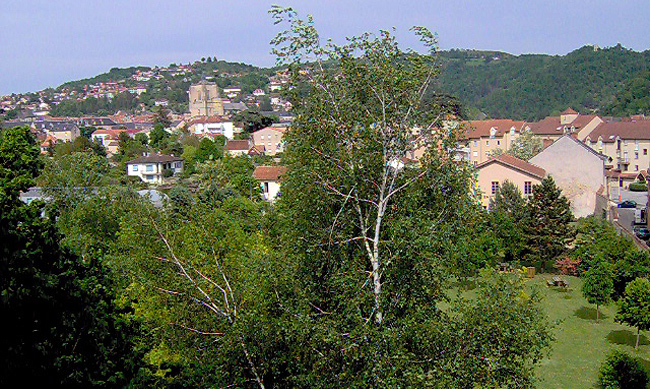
x=62 y=324
x=635 y=306
x=526 y=146
x=549 y=223
x=507 y=213
x=370 y=235
x=598 y=285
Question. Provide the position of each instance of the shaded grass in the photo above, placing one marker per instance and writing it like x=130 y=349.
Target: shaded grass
x=581 y=345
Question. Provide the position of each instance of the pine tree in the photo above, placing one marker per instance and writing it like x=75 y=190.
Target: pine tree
x=507 y=210
x=548 y=223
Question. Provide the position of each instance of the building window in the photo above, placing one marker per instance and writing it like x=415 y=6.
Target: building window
x=475 y=143
x=149 y=168
x=135 y=168
x=266 y=187
x=636 y=155
x=528 y=187
x=495 y=187
x=498 y=143
x=636 y=168
x=487 y=142
x=475 y=153
x=645 y=151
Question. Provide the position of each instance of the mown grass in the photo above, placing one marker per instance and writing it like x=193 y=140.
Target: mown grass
x=581 y=345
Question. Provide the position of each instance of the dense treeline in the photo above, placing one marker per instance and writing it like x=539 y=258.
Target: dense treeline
x=530 y=87
x=609 y=81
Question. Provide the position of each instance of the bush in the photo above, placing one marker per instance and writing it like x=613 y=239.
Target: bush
x=568 y=266
x=639 y=186
x=621 y=371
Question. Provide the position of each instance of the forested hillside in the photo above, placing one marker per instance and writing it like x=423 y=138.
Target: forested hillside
x=611 y=81
x=533 y=86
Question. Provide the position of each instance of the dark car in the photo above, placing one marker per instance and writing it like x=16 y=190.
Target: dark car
x=643 y=233
x=627 y=204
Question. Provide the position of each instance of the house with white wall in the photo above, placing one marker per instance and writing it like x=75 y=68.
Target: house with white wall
x=152 y=169
x=269 y=178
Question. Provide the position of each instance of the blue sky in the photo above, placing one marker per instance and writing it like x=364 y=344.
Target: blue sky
x=45 y=43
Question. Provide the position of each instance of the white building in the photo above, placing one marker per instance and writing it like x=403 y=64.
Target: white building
x=151 y=169
x=212 y=126
x=269 y=177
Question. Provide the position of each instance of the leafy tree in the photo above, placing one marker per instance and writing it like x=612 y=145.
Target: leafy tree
x=621 y=371
x=507 y=213
x=635 y=306
x=598 y=286
x=158 y=138
x=66 y=330
x=370 y=238
x=69 y=178
x=142 y=138
x=252 y=120
x=549 y=223
x=526 y=146
x=80 y=145
x=161 y=119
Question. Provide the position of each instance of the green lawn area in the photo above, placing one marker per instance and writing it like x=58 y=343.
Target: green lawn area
x=580 y=344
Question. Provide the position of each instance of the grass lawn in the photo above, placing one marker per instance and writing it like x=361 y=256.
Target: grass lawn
x=581 y=344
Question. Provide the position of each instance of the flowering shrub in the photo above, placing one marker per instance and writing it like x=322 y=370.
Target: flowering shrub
x=568 y=266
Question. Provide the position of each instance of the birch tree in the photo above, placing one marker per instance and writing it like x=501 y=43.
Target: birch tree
x=362 y=112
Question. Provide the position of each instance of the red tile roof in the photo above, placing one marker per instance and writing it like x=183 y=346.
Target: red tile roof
x=568 y=111
x=269 y=173
x=155 y=159
x=624 y=130
x=517 y=164
x=482 y=128
x=238 y=145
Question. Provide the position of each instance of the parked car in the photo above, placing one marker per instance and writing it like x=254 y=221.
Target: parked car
x=627 y=204
x=643 y=233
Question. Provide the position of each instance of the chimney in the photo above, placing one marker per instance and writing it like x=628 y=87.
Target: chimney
x=546 y=143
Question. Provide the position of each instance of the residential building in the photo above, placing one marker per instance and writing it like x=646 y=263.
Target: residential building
x=569 y=122
x=270 y=177
x=213 y=126
x=152 y=169
x=271 y=139
x=485 y=136
x=205 y=100
x=238 y=147
x=578 y=170
x=494 y=172
x=626 y=143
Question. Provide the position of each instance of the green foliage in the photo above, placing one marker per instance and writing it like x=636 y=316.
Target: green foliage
x=526 y=146
x=80 y=145
x=20 y=163
x=633 y=98
x=640 y=186
x=158 y=138
x=621 y=371
x=69 y=178
x=66 y=330
x=235 y=173
x=635 y=306
x=251 y=120
x=507 y=211
x=549 y=227
x=532 y=86
x=598 y=285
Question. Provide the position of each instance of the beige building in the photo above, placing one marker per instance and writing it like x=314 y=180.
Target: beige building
x=270 y=138
x=569 y=122
x=205 y=100
x=578 y=170
x=486 y=136
x=494 y=172
x=627 y=144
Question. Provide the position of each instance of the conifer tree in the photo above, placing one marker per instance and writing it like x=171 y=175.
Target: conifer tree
x=508 y=209
x=548 y=223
